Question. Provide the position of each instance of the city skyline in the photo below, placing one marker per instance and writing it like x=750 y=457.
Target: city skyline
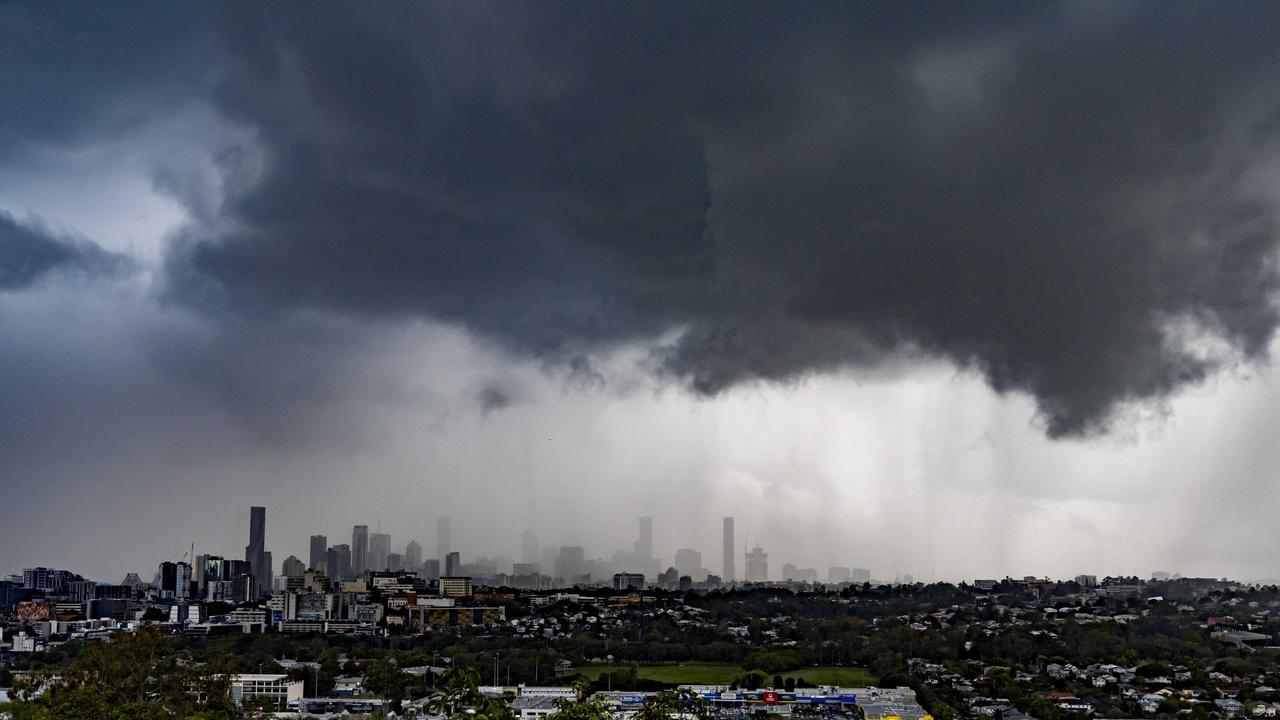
x=757 y=567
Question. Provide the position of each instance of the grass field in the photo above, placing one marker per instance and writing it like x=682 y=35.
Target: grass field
x=710 y=674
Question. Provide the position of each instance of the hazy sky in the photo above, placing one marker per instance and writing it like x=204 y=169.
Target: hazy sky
x=932 y=289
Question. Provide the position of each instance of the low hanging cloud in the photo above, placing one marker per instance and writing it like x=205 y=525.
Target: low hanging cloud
x=1079 y=202
x=29 y=253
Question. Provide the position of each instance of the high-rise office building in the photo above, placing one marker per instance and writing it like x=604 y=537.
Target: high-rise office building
x=379 y=549
x=689 y=562
x=431 y=568
x=644 y=543
x=453 y=564
x=529 y=550
x=338 y=562
x=729 y=572
x=757 y=565
x=444 y=543
x=255 y=553
x=319 y=544
x=182 y=582
x=571 y=563
x=343 y=559
x=413 y=556
x=293 y=567
x=359 y=549
x=168 y=579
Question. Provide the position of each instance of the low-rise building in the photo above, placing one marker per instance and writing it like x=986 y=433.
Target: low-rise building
x=267 y=690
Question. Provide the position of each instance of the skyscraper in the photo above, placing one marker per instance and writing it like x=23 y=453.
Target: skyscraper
x=292 y=567
x=318 y=545
x=379 y=549
x=444 y=543
x=359 y=549
x=757 y=565
x=338 y=560
x=255 y=553
x=729 y=572
x=644 y=544
x=452 y=564
x=571 y=563
x=689 y=562
x=413 y=556
x=529 y=550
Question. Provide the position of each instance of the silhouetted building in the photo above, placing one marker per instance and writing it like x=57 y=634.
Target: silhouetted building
x=337 y=560
x=529 y=548
x=644 y=543
x=255 y=553
x=379 y=549
x=628 y=581
x=293 y=567
x=359 y=549
x=757 y=565
x=571 y=564
x=729 y=572
x=319 y=546
x=444 y=543
x=413 y=556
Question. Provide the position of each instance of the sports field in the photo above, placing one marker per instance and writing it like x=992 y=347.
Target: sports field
x=712 y=674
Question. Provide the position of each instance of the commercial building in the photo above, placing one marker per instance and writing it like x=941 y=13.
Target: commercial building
x=426 y=616
x=757 y=565
x=265 y=690
x=444 y=543
x=455 y=587
x=689 y=562
x=316 y=558
x=359 y=549
x=337 y=560
x=413 y=556
x=628 y=581
x=293 y=567
x=571 y=563
x=255 y=553
x=529 y=548
x=48 y=580
x=379 y=550
x=644 y=543
x=730 y=573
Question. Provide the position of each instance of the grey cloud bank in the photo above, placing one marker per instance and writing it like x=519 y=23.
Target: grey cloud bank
x=1065 y=198
x=28 y=254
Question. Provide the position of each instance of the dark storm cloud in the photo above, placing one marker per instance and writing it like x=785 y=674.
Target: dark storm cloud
x=1042 y=193
x=492 y=399
x=28 y=254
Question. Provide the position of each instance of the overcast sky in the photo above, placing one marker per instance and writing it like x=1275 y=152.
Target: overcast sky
x=935 y=289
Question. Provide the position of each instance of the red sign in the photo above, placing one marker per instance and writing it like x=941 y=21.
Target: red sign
x=769 y=697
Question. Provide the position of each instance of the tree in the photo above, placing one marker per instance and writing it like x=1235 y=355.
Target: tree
x=133 y=676
x=460 y=697
x=592 y=708
x=385 y=679
x=670 y=703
